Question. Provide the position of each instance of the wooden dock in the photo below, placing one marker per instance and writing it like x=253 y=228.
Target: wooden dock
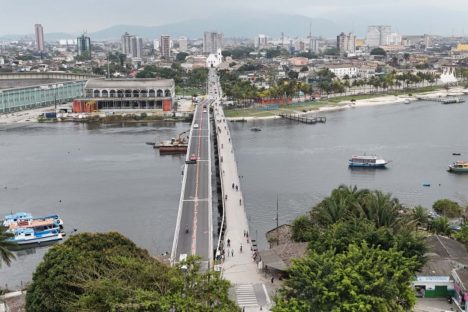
x=443 y=100
x=303 y=119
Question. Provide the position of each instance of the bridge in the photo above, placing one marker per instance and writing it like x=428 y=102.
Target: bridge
x=194 y=230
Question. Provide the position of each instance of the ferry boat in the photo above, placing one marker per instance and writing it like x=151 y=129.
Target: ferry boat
x=459 y=166
x=28 y=236
x=29 y=230
x=365 y=161
x=177 y=145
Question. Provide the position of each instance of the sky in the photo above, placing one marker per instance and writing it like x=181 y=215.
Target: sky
x=445 y=17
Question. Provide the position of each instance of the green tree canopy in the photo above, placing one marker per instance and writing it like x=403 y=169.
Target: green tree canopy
x=181 y=56
x=361 y=279
x=5 y=246
x=378 y=51
x=448 y=208
x=108 y=272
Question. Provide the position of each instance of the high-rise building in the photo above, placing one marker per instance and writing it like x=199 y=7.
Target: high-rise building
x=378 y=35
x=212 y=41
x=262 y=41
x=427 y=41
x=39 y=37
x=314 y=45
x=393 y=39
x=132 y=46
x=183 y=44
x=346 y=43
x=83 y=44
x=126 y=43
x=165 y=46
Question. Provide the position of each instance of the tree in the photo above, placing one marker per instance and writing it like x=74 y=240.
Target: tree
x=378 y=51
x=6 y=246
x=304 y=230
x=181 y=56
x=440 y=225
x=448 y=208
x=361 y=279
x=420 y=215
x=108 y=272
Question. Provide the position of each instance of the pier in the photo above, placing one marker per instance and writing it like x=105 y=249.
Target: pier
x=443 y=100
x=303 y=119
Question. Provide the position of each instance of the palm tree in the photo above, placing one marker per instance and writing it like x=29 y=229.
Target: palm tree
x=441 y=225
x=420 y=215
x=5 y=246
x=381 y=208
x=344 y=202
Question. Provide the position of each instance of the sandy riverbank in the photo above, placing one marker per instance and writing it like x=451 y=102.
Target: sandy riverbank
x=376 y=101
x=24 y=116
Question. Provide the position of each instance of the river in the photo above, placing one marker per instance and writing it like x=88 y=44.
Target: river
x=105 y=178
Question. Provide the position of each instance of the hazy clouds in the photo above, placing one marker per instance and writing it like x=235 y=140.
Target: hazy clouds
x=408 y=16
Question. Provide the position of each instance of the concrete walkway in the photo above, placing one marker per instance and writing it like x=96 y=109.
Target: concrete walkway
x=238 y=266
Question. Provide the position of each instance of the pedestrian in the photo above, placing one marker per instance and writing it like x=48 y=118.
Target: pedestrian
x=229 y=243
x=247 y=233
x=244 y=233
x=233 y=185
x=247 y=239
x=272 y=279
x=237 y=187
x=240 y=202
x=232 y=253
x=241 y=248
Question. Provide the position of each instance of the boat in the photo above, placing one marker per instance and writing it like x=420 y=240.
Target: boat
x=26 y=220
x=177 y=145
x=255 y=129
x=456 y=154
x=426 y=184
x=407 y=101
x=28 y=236
x=459 y=166
x=365 y=161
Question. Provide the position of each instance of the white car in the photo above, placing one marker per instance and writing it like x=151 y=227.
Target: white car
x=204 y=110
x=195 y=126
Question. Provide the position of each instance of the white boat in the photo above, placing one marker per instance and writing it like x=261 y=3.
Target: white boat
x=364 y=161
x=28 y=236
x=407 y=101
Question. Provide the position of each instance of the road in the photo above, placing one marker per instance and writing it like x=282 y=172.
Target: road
x=194 y=224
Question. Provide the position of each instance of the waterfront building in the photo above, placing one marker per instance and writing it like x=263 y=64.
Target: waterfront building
x=212 y=41
x=126 y=94
x=39 y=31
x=342 y=70
x=346 y=43
x=165 y=46
x=83 y=44
x=20 y=91
x=377 y=35
x=183 y=44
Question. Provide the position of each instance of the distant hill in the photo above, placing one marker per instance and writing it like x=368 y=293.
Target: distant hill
x=236 y=24
x=232 y=25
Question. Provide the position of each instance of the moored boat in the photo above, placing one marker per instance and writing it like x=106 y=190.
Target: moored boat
x=365 y=161
x=28 y=236
x=459 y=166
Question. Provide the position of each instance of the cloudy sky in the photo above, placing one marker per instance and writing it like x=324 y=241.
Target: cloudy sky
x=407 y=16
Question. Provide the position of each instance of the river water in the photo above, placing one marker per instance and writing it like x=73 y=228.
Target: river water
x=105 y=178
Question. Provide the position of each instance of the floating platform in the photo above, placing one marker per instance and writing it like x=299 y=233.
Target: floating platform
x=303 y=119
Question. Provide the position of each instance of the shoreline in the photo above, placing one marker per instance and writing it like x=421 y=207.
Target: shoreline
x=31 y=116
x=375 y=101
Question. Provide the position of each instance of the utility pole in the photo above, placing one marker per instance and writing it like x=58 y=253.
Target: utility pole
x=277 y=221
x=108 y=71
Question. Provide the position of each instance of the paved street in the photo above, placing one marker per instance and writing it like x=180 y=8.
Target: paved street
x=193 y=231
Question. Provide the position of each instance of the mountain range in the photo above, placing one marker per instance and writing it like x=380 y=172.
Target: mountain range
x=233 y=25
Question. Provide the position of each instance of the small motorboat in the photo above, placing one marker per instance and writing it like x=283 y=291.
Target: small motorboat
x=456 y=154
x=426 y=184
x=407 y=101
x=255 y=129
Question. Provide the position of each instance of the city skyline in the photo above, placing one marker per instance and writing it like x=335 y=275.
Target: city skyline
x=409 y=17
